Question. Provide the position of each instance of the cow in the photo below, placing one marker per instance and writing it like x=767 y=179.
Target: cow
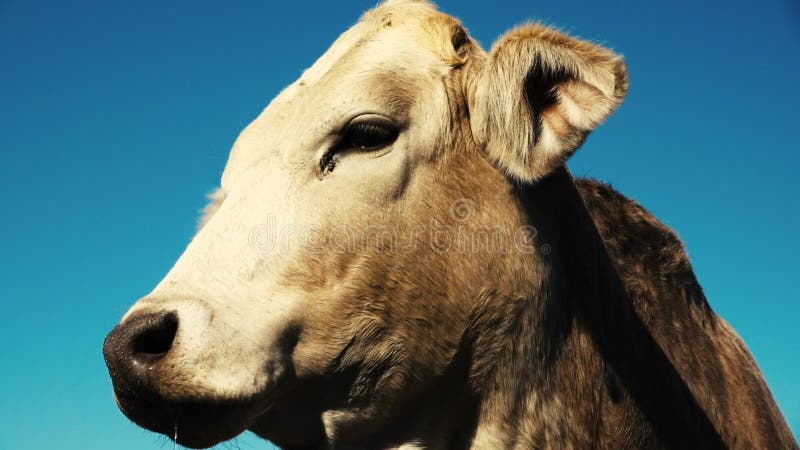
x=398 y=257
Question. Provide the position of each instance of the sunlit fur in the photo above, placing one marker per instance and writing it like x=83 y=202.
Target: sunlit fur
x=587 y=83
x=559 y=341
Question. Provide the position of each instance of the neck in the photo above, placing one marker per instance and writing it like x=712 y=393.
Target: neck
x=525 y=349
x=574 y=362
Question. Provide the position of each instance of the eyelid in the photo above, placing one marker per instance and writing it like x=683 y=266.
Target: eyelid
x=368 y=117
x=334 y=151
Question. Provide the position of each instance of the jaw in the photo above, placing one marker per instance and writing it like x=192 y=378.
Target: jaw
x=309 y=418
x=295 y=418
x=289 y=429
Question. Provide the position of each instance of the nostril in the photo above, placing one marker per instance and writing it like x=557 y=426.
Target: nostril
x=155 y=340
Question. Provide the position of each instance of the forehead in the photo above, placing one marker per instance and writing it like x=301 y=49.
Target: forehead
x=393 y=34
x=393 y=56
x=386 y=58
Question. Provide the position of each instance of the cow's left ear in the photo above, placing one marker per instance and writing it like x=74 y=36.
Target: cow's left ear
x=538 y=96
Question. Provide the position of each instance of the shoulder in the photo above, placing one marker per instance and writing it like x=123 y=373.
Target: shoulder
x=649 y=256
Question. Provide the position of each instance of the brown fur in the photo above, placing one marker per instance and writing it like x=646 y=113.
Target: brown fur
x=708 y=355
x=572 y=317
x=607 y=341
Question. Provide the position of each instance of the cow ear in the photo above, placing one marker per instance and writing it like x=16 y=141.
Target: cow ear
x=538 y=95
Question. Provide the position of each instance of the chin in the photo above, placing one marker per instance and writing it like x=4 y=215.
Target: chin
x=193 y=423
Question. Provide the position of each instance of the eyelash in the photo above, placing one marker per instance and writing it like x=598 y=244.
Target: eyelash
x=361 y=136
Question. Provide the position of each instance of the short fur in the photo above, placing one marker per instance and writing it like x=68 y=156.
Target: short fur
x=557 y=315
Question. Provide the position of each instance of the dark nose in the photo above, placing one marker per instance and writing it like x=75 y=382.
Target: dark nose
x=138 y=344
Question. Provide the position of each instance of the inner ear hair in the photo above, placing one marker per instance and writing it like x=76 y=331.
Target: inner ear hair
x=459 y=39
x=540 y=91
x=538 y=96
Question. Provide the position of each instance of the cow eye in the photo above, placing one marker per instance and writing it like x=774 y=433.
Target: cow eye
x=368 y=135
x=364 y=135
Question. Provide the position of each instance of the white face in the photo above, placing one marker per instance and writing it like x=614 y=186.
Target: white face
x=280 y=197
x=359 y=220
x=349 y=149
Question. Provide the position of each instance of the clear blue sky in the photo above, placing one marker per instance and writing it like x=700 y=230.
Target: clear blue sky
x=116 y=118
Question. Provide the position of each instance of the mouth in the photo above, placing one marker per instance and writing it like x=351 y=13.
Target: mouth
x=193 y=423
x=156 y=394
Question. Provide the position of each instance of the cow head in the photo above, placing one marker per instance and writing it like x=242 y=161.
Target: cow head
x=361 y=220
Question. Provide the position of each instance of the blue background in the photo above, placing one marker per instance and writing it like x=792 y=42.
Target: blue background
x=117 y=118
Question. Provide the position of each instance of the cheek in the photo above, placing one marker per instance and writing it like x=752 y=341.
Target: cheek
x=379 y=308
x=372 y=279
x=375 y=286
